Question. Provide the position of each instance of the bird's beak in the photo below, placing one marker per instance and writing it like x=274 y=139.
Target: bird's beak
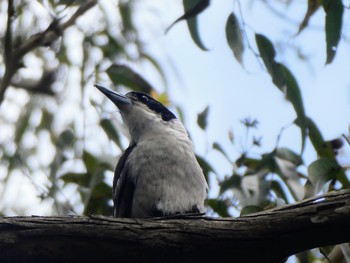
x=119 y=100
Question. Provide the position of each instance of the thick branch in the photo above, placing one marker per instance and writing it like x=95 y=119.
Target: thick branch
x=263 y=237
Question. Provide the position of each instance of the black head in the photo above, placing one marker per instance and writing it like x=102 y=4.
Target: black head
x=152 y=104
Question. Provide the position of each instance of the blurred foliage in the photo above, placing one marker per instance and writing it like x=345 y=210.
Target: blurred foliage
x=47 y=138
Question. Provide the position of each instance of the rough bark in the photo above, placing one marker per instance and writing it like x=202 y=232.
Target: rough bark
x=268 y=236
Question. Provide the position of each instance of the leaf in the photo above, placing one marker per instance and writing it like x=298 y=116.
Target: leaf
x=80 y=179
x=90 y=161
x=288 y=173
x=156 y=65
x=124 y=75
x=322 y=148
x=334 y=16
x=234 y=37
x=202 y=118
x=228 y=183
x=312 y=7
x=99 y=201
x=218 y=147
x=321 y=171
x=46 y=120
x=162 y=97
x=206 y=167
x=250 y=209
x=65 y=139
x=284 y=80
x=219 y=206
x=111 y=132
x=294 y=96
x=125 y=11
x=180 y=114
x=279 y=190
x=192 y=8
x=250 y=163
x=231 y=136
x=112 y=47
x=289 y=155
x=22 y=125
x=268 y=53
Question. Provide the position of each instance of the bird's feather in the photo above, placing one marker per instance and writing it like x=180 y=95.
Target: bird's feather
x=123 y=186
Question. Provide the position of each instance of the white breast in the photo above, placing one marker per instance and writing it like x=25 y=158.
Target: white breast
x=167 y=175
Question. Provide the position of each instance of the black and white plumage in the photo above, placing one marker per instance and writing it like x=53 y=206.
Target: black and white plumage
x=158 y=173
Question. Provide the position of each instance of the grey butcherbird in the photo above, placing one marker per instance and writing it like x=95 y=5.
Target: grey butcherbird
x=158 y=173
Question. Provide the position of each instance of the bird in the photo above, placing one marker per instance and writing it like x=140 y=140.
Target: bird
x=158 y=174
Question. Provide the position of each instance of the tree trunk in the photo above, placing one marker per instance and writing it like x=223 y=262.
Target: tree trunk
x=268 y=236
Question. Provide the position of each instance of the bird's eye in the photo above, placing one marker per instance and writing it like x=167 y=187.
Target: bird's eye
x=144 y=99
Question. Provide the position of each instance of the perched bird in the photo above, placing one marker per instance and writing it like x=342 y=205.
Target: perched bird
x=158 y=173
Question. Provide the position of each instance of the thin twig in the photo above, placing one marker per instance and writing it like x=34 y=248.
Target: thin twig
x=325 y=255
x=245 y=25
x=346 y=138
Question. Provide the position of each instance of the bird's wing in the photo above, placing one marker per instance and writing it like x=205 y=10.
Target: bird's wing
x=123 y=186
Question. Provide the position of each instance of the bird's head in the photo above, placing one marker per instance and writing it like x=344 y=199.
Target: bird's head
x=142 y=114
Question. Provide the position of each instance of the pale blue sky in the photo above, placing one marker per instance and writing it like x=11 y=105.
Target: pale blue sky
x=215 y=78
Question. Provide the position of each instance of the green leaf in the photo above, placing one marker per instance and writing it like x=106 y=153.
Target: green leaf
x=90 y=161
x=234 y=37
x=219 y=206
x=111 y=132
x=321 y=171
x=46 y=120
x=22 y=125
x=284 y=80
x=268 y=53
x=267 y=162
x=112 y=47
x=289 y=155
x=250 y=163
x=202 y=118
x=156 y=65
x=125 y=11
x=180 y=114
x=312 y=7
x=323 y=149
x=65 y=139
x=279 y=190
x=294 y=96
x=192 y=8
x=228 y=183
x=124 y=75
x=218 y=147
x=99 y=201
x=80 y=179
x=334 y=16
x=206 y=167
x=250 y=209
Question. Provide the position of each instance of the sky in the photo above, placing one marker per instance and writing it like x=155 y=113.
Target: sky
x=216 y=79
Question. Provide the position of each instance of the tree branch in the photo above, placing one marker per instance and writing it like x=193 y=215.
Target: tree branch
x=8 y=35
x=268 y=236
x=54 y=31
x=46 y=37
